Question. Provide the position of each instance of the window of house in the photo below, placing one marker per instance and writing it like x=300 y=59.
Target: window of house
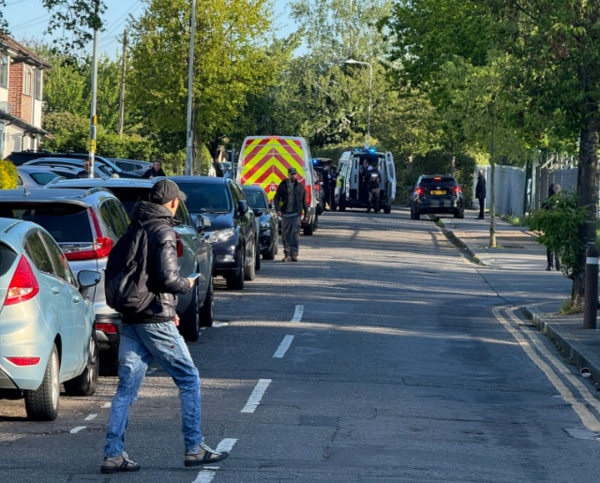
x=38 y=83
x=27 y=80
x=4 y=62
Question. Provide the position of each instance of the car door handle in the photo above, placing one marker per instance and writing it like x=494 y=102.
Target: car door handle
x=55 y=290
x=76 y=299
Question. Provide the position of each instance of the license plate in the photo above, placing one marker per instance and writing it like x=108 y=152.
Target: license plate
x=438 y=192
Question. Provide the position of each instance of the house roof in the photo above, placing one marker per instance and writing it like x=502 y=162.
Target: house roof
x=20 y=123
x=21 y=53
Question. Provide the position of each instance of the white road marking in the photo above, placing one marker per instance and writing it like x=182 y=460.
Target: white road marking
x=283 y=347
x=90 y=417
x=77 y=429
x=587 y=418
x=207 y=473
x=298 y=313
x=256 y=396
x=106 y=405
x=224 y=324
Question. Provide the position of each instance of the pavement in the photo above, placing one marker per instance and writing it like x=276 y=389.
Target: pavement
x=518 y=250
x=383 y=356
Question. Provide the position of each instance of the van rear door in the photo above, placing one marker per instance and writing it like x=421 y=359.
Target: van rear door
x=391 y=175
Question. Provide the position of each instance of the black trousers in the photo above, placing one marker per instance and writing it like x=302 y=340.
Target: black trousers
x=553 y=259
x=481 y=207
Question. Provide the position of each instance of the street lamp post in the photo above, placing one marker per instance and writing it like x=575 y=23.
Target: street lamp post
x=189 y=158
x=352 y=61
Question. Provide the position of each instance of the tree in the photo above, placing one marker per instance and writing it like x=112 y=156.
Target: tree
x=558 y=46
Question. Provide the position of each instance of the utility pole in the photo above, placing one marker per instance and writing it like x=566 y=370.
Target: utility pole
x=122 y=95
x=93 y=118
x=189 y=156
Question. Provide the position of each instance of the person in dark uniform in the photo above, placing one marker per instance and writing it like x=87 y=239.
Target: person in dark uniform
x=326 y=187
x=374 y=185
x=334 y=177
x=154 y=171
x=363 y=189
x=552 y=257
x=481 y=193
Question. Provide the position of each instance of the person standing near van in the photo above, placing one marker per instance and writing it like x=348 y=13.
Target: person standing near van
x=290 y=202
x=481 y=193
x=149 y=328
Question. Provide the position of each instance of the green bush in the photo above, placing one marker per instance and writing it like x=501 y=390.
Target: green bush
x=559 y=228
x=8 y=176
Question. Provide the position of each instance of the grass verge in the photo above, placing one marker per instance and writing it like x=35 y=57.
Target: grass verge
x=567 y=308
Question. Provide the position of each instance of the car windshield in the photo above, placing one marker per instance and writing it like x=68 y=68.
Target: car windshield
x=256 y=199
x=43 y=178
x=206 y=198
x=65 y=222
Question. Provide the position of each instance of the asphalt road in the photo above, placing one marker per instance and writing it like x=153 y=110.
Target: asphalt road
x=396 y=362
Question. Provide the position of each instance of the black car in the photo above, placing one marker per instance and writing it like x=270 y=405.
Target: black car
x=232 y=233
x=267 y=220
x=436 y=194
x=19 y=158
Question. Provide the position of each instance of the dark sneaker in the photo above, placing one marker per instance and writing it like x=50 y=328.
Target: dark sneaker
x=119 y=464
x=204 y=456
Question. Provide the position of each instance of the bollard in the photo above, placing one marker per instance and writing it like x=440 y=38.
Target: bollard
x=590 y=313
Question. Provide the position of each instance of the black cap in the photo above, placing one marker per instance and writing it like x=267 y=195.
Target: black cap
x=165 y=191
x=292 y=171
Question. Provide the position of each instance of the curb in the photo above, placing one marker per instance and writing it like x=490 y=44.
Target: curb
x=574 y=350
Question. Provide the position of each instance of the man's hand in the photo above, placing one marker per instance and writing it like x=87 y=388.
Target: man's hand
x=192 y=281
x=279 y=214
x=176 y=320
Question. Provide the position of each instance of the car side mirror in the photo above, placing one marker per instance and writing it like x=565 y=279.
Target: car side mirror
x=242 y=207
x=88 y=279
x=202 y=223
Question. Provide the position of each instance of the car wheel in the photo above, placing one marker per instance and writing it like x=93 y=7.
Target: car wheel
x=388 y=209
x=270 y=255
x=42 y=404
x=257 y=258
x=189 y=324
x=342 y=202
x=316 y=227
x=85 y=384
x=237 y=282
x=207 y=312
x=250 y=271
x=109 y=361
x=309 y=228
x=417 y=215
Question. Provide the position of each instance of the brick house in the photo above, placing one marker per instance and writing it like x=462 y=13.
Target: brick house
x=21 y=89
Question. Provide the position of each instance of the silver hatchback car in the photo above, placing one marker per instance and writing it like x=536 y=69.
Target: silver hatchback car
x=46 y=323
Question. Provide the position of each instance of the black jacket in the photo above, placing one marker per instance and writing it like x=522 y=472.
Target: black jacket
x=281 y=198
x=162 y=267
x=152 y=172
x=481 y=188
x=83 y=174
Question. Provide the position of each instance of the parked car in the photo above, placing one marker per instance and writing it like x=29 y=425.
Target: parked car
x=264 y=161
x=436 y=194
x=132 y=165
x=100 y=162
x=267 y=220
x=86 y=225
x=39 y=176
x=46 y=323
x=73 y=164
x=196 y=308
x=232 y=233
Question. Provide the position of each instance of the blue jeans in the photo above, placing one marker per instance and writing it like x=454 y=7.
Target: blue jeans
x=140 y=345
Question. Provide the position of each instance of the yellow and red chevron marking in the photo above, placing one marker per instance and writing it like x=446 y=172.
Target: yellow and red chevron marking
x=267 y=160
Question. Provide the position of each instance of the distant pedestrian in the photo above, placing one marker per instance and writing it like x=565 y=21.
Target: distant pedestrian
x=290 y=201
x=154 y=171
x=334 y=177
x=363 y=174
x=549 y=204
x=481 y=193
x=142 y=275
x=327 y=185
x=374 y=187
x=85 y=173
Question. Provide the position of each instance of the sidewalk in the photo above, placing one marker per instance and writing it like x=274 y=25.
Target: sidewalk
x=520 y=251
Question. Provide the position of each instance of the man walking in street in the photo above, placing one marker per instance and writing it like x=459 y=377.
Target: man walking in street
x=149 y=332
x=154 y=171
x=290 y=202
x=481 y=193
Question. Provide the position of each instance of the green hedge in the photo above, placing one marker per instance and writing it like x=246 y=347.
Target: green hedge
x=8 y=175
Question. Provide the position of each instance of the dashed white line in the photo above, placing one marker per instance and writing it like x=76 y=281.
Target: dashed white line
x=298 y=313
x=90 y=417
x=106 y=405
x=283 y=347
x=77 y=429
x=207 y=473
x=256 y=396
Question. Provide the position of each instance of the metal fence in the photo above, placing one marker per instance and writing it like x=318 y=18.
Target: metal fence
x=544 y=178
x=509 y=186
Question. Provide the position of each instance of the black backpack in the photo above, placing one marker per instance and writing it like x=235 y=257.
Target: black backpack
x=126 y=278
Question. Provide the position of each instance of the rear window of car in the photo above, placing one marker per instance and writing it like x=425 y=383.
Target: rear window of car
x=43 y=178
x=130 y=196
x=66 y=223
x=255 y=199
x=443 y=182
x=7 y=258
x=206 y=198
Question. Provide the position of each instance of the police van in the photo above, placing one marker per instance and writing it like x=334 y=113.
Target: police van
x=351 y=189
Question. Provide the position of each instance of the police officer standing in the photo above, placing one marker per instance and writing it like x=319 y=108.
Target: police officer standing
x=374 y=185
x=334 y=177
x=327 y=186
x=364 y=179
